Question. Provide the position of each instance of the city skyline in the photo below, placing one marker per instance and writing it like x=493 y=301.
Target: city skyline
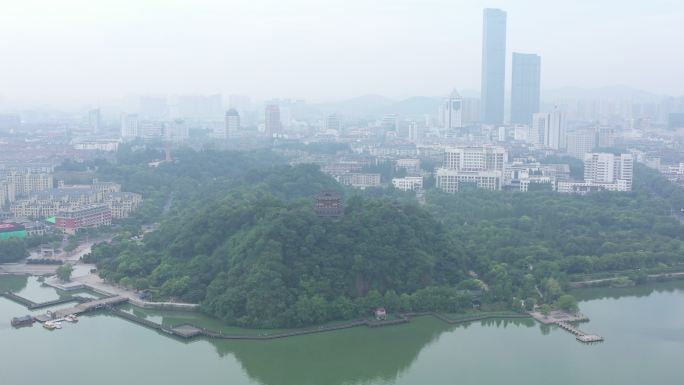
x=104 y=55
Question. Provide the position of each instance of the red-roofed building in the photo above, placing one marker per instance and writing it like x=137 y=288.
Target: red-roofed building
x=72 y=220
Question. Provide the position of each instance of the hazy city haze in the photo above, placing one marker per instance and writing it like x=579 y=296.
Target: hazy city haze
x=84 y=51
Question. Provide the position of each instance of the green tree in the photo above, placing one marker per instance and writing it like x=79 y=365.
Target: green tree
x=64 y=272
x=552 y=289
x=545 y=309
x=567 y=303
x=12 y=250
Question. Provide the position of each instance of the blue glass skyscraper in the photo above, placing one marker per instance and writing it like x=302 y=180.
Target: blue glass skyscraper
x=493 y=66
x=525 y=87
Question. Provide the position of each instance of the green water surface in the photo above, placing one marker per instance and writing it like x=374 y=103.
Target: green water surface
x=643 y=327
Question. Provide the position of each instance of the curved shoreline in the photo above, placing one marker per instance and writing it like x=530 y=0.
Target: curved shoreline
x=188 y=331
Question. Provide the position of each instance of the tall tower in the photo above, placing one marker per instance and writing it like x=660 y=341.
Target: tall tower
x=95 y=120
x=232 y=122
x=129 y=126
x=525 y=87
x=453 y=111
x=548 y=129
x=272 y=122
x=332 y=122
x=493 y=65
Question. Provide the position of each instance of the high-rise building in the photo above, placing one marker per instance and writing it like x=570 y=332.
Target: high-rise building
x=414 y=132
x=493 y=66
x=452 y=111
x=150 y=129
x=243 y=105
x=129 y=126
x=272 y=120
x=482 y=167
x=176 y=131
x=332 y=122
x=600 y=167
x=605 y=137
x=232 y=122
x=602 y=172
x=471 y=111
x=580 y=143
x=548 y=130
x=525 y=87
x=95 y=120
x=390 y=122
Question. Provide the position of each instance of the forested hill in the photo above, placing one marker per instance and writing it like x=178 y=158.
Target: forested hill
x=251 y=251
x=259 y=256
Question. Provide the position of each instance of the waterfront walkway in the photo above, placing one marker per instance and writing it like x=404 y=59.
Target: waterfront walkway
x=33 y=305
x=95 y=283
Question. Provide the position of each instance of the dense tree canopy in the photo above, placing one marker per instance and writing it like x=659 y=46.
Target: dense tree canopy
x=249 y=248
x=12 y=250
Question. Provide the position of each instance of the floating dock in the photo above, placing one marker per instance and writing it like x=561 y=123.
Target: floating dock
x=82 y=308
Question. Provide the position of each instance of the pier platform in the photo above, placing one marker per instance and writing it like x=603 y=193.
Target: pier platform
x=579 y=335
x=82 y=308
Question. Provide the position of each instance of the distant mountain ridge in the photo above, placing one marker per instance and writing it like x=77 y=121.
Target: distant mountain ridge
x=608 y=92
x=374 y=106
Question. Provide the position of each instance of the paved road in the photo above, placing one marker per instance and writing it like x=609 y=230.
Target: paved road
x=23 y=268
x=650 y=276
x=95 y=282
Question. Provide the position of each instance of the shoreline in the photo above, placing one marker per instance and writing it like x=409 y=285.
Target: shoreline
x=188 y=331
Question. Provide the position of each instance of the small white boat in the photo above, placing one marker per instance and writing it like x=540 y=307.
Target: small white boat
x=71 y=318
x=50 y=325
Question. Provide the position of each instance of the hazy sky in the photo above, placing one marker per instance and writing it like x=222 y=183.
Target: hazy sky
x=95 y=51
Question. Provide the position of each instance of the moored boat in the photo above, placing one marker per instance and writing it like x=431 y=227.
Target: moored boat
x=22 y=321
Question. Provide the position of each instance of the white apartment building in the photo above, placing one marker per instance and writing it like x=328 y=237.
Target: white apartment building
x=359 y=180
x=411 y=165
x=49 y=202
x=129 y=126
x=548 y=130
x=108 y=145
x=603 y=172
x=479 y=158
x=536 y=180
x=6 y=193
x=609 y=169
x=451 y=180
x=580 y=143
x=16 y=182
x=482 y=166
x=590 y=186
x=414 y=132
x=176 y=131
x=122 y=204
x=409 y=183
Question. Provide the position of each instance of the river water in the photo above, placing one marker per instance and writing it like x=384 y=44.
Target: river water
x=643 y=328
